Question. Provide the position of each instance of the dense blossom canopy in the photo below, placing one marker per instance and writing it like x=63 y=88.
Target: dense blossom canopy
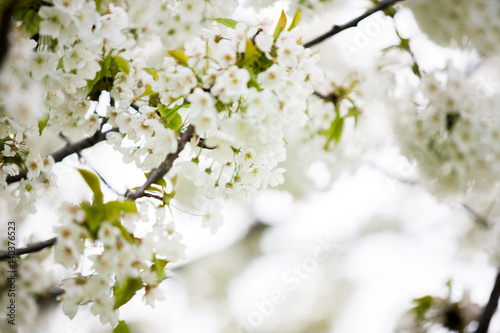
x=215 y=110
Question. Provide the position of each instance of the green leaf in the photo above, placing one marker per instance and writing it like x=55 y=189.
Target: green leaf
x=354 y=112
x=281 y=25
x=253 y=81
x=295 y=21
x=43 y=122
x=19 y=10
x=170 y=117
x=423 y=305
x=147 y=92
x=227 y=22
x=168 y=113
x=179 y=56
x=98 y=4
x=121 y=328
x=159 y=268
x=121 y=64
x=153 y=71
x=154 y=99
x=105 y=72
x=32 y=22
x=175 y=123
x=160 y=182
x=113 y=209
x=60 y=64
x=93 y=182
x=124 y=292
x=335 y=131
x=95 y=216
x=104 y=79
x=250 y=49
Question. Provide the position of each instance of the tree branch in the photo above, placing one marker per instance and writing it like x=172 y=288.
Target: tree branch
x=490 y=308
x=165 y=166
x=154 y=176
x=35 y=247
x=67 y=150
x=351 y=24
x=201 y=144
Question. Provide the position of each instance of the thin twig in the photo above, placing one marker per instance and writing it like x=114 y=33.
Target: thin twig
x=476 y=217
x=391 y=175
x=201 y=144
x=333 y=98
x=165 y=166
x=154 y=196
x=84 y=160
x=490 y=308
x=35 y=247
x=351 y=24
x=154 y=176
x=67 y=150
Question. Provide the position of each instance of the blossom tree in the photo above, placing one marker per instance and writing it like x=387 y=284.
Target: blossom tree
x=214 y=106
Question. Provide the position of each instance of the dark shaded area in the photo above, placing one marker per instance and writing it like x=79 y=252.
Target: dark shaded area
x=6 y=13
x=490 y=308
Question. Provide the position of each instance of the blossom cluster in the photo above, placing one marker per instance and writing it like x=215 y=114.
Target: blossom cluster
x=449 y=126
x=467 y=23
x=245 y=92
x=32 y=281
x=124 y=259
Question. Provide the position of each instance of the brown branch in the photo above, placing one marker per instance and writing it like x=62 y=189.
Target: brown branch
x=490 y=308
x=201 y=144
x=35 y=247
x=154 y=196
x=351 y=24
x=154 y=176
x=165 y=166
x=67 y=150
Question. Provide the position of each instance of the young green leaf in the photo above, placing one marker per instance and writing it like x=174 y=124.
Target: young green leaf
x=106 y=64
x=95 y=216
x=93 y=182
x=121 y=328
x=19 y=11
x=250 y=49
x=121 y=64
x=179 y=56
x=43 y=122
x=281 y=25
x=124 y=292
x=295 y=21
x=175 y=122
x=98 y=4
x=113 y=209
x=153 y=71
x=147 y=92
x=227 y=22
x=159 y=268
x=32 y=22
x=160 y=181
x=335 y=131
